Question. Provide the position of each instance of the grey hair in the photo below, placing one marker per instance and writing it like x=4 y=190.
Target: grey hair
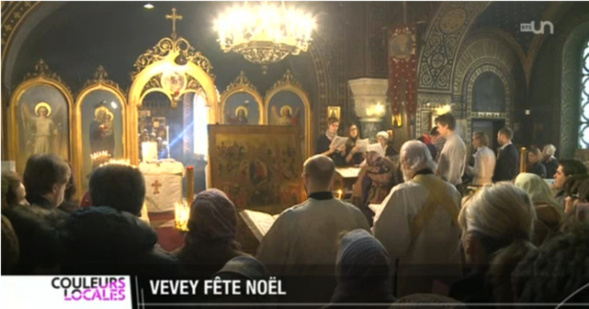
x=549 y=150
x=418 y=157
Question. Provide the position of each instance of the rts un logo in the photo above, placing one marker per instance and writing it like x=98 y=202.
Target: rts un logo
x=531 y=27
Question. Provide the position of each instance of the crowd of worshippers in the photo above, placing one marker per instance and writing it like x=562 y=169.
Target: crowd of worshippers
x=512 y=241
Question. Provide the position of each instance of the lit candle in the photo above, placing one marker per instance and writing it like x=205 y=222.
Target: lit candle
x=189 y=185
x=522 y=160
x=181 y=215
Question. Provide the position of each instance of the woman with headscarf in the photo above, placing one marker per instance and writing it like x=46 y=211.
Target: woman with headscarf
x=549 y=212
x=381 y=172
x=362 y=270
x=375 y=180
x=497 y=225
x=210 y=241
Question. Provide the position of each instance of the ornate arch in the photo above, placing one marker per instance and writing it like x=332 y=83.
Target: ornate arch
x=42 y=76
x=437 y=57
x=497 y=68
x=171 y=54
x=486 y=51
x=289 y=84
x=242 y=84
x=100 y=82
x=443 y=39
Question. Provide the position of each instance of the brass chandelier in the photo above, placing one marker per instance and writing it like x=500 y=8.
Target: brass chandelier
x=264 y=32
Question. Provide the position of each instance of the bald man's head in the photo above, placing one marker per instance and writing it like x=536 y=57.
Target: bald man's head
x=320 y=170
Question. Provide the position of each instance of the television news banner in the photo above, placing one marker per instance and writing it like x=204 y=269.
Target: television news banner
x=135 y=291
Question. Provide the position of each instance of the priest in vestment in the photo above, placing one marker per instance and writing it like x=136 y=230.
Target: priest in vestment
x=418 y=225
x=303 y=242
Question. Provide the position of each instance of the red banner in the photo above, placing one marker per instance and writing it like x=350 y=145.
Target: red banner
x=402 y=69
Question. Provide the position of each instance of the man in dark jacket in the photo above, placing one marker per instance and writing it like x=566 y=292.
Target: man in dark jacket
x=507 y=166
x=110 y=238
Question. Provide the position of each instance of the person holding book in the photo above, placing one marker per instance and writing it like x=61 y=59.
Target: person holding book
x=329 y=144
x=303 y=240
x=353 y=151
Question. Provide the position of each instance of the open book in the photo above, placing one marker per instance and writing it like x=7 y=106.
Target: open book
x=362 y=145
x=338 y=141
x=348 y=172
x=258 y=222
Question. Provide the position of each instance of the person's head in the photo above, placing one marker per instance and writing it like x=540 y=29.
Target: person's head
x=537 y=189
x=504 y=136
x=213 y=218
x=353 y=131
x=382 y=138
x=100 y=115
x=243 y=268
x=43 y=111
x=362 y=263
x=318 y=172
x=13 y=190
x=566 y=168
x=497 y=224
x=557 y=271
x=415 y=157
x=480 y=139
x=548 y=151
x=576 y=190
x=534 y=155
x=434 y=134
x=118 y=186
x=332 y=125
x=46 y=176
x=446 y=124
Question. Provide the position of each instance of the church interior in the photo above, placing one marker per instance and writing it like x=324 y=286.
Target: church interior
x=201 y=95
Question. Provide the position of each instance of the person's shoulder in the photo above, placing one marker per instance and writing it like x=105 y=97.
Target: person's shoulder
x=294 y=211
x=407 y=187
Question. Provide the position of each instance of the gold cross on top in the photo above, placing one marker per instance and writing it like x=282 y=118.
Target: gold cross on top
x=174 y=17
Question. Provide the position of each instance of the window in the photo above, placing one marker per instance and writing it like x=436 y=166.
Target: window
x=584 y=121
x=488 y=94
x=201 y=136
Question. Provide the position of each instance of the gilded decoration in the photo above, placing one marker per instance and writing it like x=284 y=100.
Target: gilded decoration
x=287 y=79
x=40 y=115
x=101 y=77
x=234 y=111
x=174 y=68
x=100 y=126
x=286 y=103
x=167 y=46
x=241 y=81
x=42 y=70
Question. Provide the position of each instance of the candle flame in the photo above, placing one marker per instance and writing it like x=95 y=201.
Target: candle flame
x=181 y=216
